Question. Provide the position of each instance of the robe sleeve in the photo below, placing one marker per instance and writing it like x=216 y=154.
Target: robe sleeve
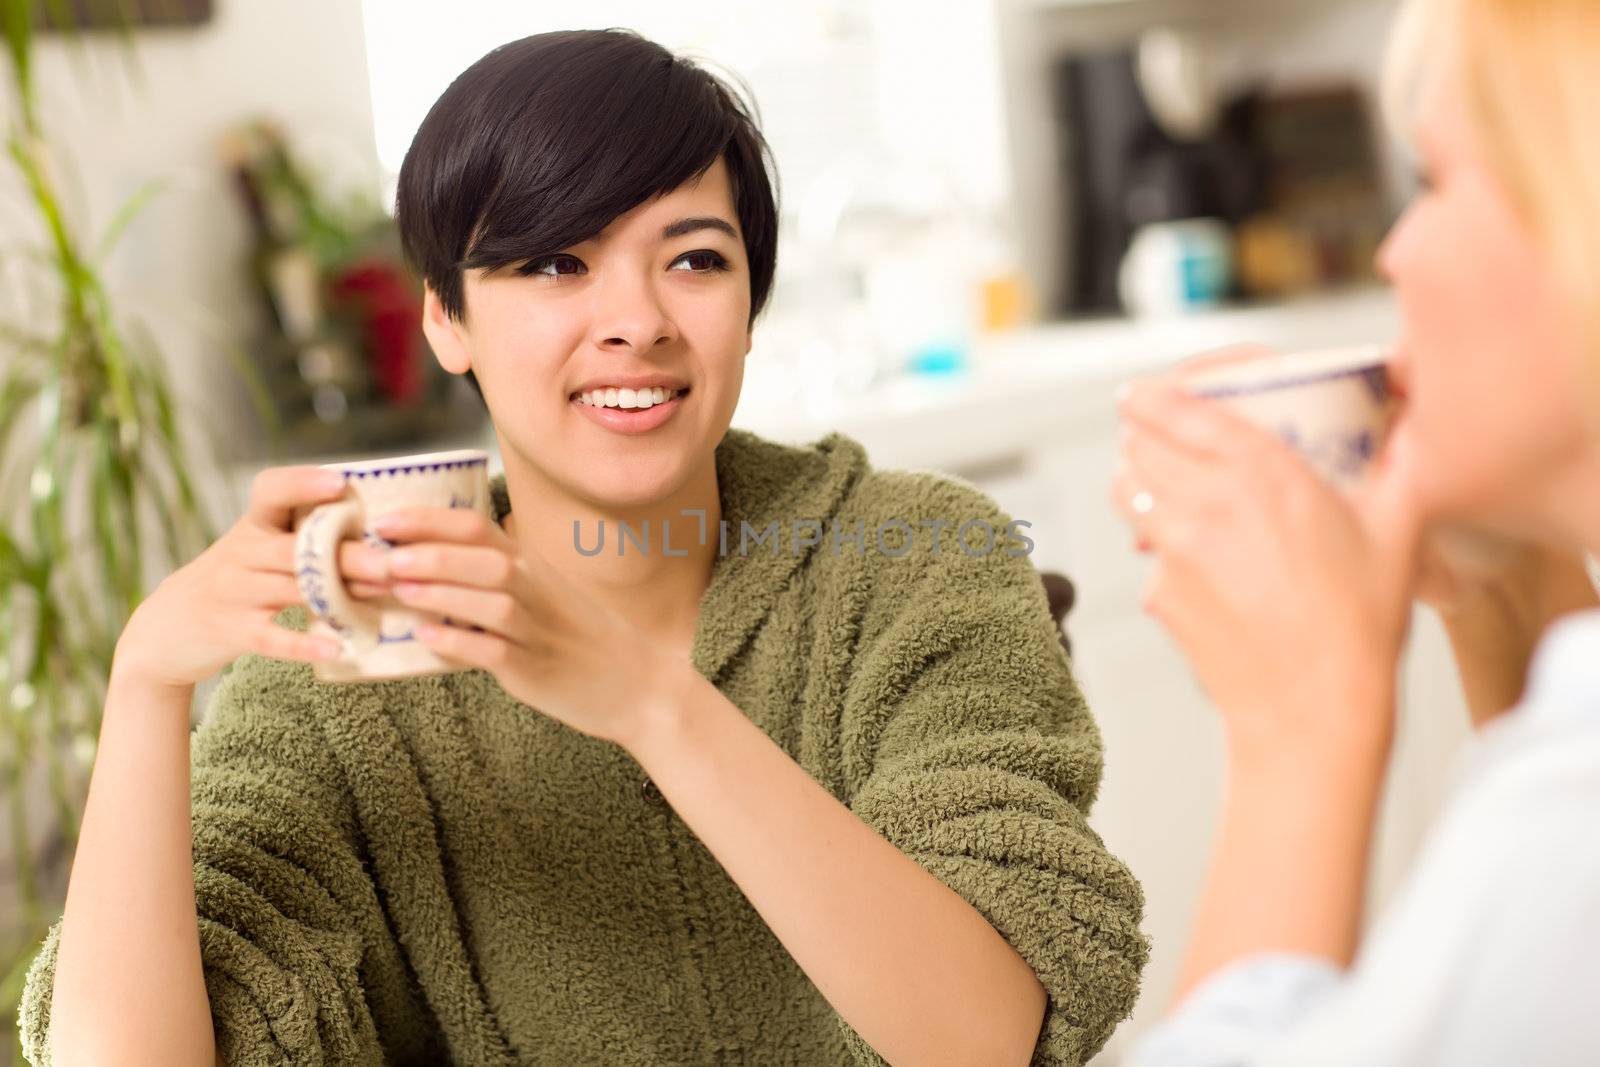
x=968 y=745
x=285 y=907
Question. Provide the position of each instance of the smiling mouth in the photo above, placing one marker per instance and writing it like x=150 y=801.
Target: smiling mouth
x=627 y=399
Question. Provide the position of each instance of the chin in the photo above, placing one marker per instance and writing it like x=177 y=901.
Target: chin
x=1495 y=507
x=622 y=488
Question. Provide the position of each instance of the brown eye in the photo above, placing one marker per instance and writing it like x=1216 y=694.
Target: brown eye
x=557 y=265
x=703 y=261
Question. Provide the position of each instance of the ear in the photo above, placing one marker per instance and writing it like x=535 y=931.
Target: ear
x=445 y=335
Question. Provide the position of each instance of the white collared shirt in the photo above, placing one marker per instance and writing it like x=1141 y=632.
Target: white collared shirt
x=1490 y=955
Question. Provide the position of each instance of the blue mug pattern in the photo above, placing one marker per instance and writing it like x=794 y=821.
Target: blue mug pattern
x=416 y=468
x=1345 y=454
x=310 y=569
x=314 y=571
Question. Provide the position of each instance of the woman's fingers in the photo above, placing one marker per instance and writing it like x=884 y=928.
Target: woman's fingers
x=1164 y=490
x=487 y=567
x=1205 y=427
x=1390 y=509
x=265 y=589
x=268 y=639
x=358 y=562
x=273 y=592
x=1126 y=498
x=465 y=526
x=1166 y=470
x=277 y=491
x=495 y=611
x=363 y=563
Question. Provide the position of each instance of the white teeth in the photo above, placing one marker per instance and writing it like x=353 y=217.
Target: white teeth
x=628 y=399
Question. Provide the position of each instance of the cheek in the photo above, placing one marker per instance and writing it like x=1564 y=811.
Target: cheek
x=521 y=344
x=714 y=327
x=1485 y=366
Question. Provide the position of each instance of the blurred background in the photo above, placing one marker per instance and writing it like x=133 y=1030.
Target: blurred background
x=993 y=212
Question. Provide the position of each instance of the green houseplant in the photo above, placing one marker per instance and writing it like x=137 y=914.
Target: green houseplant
x=97 y=488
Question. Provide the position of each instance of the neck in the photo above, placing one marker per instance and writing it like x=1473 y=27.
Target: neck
x=653 y=575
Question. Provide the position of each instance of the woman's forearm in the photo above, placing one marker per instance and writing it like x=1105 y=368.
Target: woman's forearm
x=904 y=959
x=1289 y=870
x=129 y=986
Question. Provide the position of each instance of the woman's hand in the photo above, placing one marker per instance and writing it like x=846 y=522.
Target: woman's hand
x=221 y=604
x=1290 y=601
x=547 y=644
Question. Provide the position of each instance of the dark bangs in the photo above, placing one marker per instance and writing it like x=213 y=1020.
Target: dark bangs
x=544 y=141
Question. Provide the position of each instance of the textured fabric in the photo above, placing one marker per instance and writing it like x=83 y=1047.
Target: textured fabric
x=427 y=870
x=1487 y=957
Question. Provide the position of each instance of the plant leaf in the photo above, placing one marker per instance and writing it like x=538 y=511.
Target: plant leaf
x=17 y=16
x=14 y=566
x=18 y=389
x=130 y=209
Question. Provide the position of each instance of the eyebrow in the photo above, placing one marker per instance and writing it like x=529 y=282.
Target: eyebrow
x=705 y=222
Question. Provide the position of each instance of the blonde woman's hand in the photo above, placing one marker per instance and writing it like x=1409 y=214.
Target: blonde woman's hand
x=221 y=604
x=1289 y=599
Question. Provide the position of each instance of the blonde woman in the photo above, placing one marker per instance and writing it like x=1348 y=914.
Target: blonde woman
x=1292 y=603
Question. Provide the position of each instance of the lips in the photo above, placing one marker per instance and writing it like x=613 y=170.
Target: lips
x=630 y=420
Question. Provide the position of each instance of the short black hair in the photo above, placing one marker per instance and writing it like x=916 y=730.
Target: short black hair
x=540 y=144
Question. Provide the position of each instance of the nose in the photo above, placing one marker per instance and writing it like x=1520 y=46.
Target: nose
x=1391 y=250
x=628 y=313
x=1384 y=260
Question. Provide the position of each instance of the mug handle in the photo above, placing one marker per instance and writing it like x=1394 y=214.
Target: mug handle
x=316 y=570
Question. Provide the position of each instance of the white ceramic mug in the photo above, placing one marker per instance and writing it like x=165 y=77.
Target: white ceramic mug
x=377 y=634
x=1334 y=405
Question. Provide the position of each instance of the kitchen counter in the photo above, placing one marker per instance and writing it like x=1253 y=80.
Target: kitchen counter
x=1037 y=384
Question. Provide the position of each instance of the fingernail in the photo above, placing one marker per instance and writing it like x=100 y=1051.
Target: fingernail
x=384 y=525
x=331 y=482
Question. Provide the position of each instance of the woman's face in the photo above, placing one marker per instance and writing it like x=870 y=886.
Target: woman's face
x=663 y=291
x=1488 y=358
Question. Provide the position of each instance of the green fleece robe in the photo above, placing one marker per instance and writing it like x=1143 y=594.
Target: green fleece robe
x=427 y=870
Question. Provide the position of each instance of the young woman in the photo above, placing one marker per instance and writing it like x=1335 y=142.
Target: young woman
x=1292 y=604
x=811 y=792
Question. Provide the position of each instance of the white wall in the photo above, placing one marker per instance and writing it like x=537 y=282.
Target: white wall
x=181 y=269
x=830 y=76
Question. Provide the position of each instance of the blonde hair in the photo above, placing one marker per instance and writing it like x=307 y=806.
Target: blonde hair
x=1531 y=73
